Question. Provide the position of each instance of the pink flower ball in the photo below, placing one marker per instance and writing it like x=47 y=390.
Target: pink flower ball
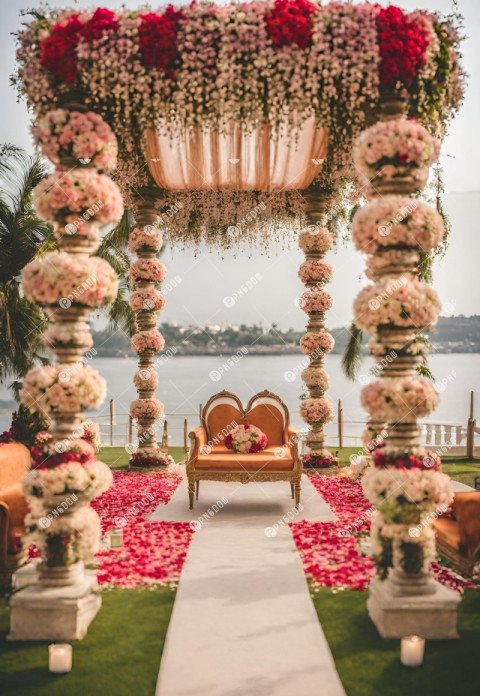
x=317 y=411
x=316 y=343
x=315 y=301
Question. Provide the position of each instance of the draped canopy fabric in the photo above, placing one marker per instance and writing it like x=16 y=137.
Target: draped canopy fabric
x=255 y=161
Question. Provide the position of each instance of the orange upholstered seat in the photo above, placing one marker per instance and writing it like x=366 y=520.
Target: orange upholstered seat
x=209 y=459
x=458 y=531
x=448 y=531
x=14 y=464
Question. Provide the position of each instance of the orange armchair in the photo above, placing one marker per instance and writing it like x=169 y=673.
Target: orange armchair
x=458 y=532
x=14 y=463
x=210 y=460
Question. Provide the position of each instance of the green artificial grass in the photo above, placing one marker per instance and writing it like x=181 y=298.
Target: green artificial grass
x=369 y=665
x=119 y=656
x=117 y=457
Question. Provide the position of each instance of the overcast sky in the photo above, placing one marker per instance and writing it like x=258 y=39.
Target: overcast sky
x=206 y=279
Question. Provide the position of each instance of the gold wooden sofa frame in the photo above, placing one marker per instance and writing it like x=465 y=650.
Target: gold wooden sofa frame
x=204 y=442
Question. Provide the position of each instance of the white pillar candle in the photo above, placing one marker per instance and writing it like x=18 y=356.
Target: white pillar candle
x=60 y=658
x=412 y=650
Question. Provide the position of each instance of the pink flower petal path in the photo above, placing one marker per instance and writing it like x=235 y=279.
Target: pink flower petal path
x=329 y=550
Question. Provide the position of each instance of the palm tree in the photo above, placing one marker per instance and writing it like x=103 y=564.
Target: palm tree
x=23 y=236
x=113 y=250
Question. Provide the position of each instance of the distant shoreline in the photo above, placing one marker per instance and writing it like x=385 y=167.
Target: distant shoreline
x=265 y=351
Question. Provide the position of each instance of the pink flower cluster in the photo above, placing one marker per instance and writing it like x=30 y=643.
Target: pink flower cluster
x=68 y=388
x=317 y=342
x=145 y=239
x=391 y=149
x=57 y=276
x=399 y=399
x=66 y=196
x=410 y=303
x=146 y=408
x=316 y=411
x=86 y=137
x=147 y=300
x=145 y=379
x=68 y=335
x=147 y=340
x=316 y=378
x=245 y=439
x=315 y=301
x=318 y=240
x=315 y=270
x=396 y=221
x=151 y=270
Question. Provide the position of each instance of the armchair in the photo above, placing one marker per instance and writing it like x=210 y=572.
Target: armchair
x=458 y=532
x=14 y=463
x=210 y=460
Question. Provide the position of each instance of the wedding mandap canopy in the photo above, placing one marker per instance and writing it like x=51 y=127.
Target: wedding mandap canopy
x=233 y=123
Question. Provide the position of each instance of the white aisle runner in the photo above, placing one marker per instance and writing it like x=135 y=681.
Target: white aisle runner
x=243 y=623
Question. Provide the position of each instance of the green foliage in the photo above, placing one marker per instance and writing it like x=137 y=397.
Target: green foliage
x=352 y=360
x=23 y=236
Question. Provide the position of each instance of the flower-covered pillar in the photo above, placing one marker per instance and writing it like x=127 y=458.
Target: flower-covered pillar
x=146 y=273
x=69 y=282
x=315 y=272
x=404 y=483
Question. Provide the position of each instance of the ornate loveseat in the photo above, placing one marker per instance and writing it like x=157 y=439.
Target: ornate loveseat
x=14 y=463
x=210 y=460
x=458 y=532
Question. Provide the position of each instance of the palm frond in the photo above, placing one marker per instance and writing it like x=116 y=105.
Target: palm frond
x=351 y=359
x=119 y=312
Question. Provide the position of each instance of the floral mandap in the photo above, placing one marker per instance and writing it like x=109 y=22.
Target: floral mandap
x=245 y=123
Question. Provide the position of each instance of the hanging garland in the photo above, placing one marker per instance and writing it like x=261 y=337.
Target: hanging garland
x=262 y=63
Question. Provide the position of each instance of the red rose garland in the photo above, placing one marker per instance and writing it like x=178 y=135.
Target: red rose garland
x=158 y=38
x=100 y=22
x=290 y=21
x=403 y=46
x=57 y=52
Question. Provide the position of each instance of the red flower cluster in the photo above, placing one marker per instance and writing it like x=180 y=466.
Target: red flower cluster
x=290 y=22
x=403 y=47
x=158 y=38
x=316 y=461
x=404 y=460
x=142 y=459
x=40 y=461
x=101 y=22
x=58 y=52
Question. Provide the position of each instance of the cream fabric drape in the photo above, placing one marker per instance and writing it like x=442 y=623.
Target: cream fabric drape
x=255 y=161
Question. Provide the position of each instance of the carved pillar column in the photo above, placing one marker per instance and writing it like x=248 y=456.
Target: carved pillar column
x=404 y=483
x=315 y=272
x=147 y=272
x=79 y=199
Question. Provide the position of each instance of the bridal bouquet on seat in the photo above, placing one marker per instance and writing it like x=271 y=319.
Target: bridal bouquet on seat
x=246 y=439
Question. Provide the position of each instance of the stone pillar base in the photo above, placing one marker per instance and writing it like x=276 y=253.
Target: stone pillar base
x=429 y=615
x=54 y=613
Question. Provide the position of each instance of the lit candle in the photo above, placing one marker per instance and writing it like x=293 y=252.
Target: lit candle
x=60 y=658
x=412 y=651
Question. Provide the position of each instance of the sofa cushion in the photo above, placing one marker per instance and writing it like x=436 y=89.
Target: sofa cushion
x=220 y=421
x=268 y=459
x=269 y=419
x=448 y=531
